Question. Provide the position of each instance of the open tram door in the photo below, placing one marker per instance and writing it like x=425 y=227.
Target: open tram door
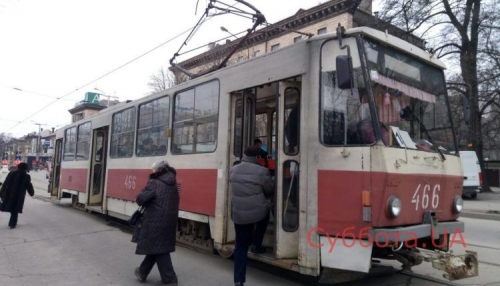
x=242 y=135
x=271 y=113
x=287 y=172
x=55 y=175
x=98 y=167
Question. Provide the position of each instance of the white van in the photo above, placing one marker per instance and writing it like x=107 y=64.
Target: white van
x=473 y=178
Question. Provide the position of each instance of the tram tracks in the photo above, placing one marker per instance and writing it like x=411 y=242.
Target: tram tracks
x=427 y=278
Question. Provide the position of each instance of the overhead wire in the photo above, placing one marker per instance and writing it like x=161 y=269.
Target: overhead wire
x=37 y=93
x=199 y=47
x=100 y=77
x=239 y=12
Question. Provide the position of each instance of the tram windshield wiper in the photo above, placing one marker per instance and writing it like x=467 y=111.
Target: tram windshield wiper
x=407 y=113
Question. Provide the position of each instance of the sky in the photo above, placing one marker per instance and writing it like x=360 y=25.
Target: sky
x=62 y=49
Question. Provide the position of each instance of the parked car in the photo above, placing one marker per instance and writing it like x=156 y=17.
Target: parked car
x=473 y=178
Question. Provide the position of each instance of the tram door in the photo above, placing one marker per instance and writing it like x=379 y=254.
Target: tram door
x=243 y=122
x=98 y=167
x=56 y=169
x=287 y=205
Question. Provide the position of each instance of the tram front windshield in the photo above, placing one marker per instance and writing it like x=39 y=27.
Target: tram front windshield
x=410 y=99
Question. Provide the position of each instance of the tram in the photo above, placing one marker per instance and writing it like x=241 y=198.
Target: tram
x=360 y=139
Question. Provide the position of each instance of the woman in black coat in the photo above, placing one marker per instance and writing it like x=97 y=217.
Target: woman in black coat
x=155 y=234
x=13 y=192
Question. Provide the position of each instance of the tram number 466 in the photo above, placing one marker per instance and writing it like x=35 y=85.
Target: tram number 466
x=130 y=182
x=425 y=196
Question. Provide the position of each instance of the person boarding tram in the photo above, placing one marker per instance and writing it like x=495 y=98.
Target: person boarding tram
x=251 y=186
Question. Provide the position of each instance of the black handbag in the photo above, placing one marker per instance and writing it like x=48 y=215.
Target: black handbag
x=136 y=216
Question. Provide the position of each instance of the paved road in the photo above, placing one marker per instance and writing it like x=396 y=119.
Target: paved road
x=58 y=245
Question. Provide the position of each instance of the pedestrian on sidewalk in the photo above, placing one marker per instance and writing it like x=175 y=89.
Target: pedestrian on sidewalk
x=13 y=192
x=155 y=233
x=251 y=185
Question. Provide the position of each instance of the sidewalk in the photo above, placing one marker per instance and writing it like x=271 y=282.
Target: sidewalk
x=485 y=206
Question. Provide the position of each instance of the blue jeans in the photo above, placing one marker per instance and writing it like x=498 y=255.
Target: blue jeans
x=243 y=240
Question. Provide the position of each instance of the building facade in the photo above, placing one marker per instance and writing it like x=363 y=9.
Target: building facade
x=320 y=19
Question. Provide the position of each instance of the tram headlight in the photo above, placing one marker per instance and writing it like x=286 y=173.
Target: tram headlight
x=458 y=204
x=394 y=206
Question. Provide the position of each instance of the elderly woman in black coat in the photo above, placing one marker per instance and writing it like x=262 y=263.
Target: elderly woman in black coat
x=13 y=192
x=155 y=234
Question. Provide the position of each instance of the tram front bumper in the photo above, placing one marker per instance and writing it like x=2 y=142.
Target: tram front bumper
x=409 y=233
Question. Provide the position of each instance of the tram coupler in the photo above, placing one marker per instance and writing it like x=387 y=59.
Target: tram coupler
x=409 y=258
x=456 y=266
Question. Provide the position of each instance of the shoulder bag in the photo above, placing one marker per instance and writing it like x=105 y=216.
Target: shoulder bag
x=136 y=216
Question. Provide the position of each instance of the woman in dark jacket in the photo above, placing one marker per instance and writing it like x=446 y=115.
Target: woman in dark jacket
x=13 y=192
x=155 y=234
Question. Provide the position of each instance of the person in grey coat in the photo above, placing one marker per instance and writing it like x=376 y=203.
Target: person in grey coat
x=155 y=233
x=251 y=184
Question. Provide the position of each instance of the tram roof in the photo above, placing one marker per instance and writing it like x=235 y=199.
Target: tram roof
x=397 y=43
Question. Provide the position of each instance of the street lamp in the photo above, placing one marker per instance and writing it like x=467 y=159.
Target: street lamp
x=108 y=96
x=38 y=141
x=225 y=30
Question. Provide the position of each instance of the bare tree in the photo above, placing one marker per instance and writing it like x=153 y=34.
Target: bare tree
x=162 y=80
x=5 y=139
x=466 y=33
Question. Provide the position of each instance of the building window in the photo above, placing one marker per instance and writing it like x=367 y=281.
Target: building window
x=153 y=123
x=256 y=53
x=69 y=144
x=196 y=119
x=322 y=31
x=122 y=135
x=77 y=117
x=241 y=59
x=275 y=47
x=297 y=39
x=83 y=141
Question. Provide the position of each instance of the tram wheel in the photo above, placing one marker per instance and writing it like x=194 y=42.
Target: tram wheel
x=225 y=253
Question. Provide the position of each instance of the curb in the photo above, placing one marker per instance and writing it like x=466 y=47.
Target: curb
x=480 y=215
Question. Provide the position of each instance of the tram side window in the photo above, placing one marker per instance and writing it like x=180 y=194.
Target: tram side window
x=292 y=121
x=83 y=141
x=290 y=203
x=122 y=136
x=261 y=129
x=345 y=118
x=196 y=119
x=69 y=144
x=239 y=133
x=153 y=122
x=345 y=114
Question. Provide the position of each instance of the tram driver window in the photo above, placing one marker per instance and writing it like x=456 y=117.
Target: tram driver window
x=196 y=116
x=345 y=113
x=123 y=132
x=151 y=132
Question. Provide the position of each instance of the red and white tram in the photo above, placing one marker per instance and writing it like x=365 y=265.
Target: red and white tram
x=375 y=162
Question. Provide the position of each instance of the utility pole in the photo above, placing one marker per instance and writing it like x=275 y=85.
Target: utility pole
x=38 y=143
